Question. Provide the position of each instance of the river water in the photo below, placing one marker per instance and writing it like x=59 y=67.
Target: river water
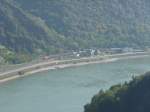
x=66 y=90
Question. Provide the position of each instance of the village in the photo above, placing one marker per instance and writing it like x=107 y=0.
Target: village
x=93 y=52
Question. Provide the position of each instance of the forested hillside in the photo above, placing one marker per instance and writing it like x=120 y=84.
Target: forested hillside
x=96 y=23
x=53 y=26
x=23 y=34
x=130 y=97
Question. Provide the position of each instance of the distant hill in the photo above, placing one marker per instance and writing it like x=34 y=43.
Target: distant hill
x=24 y=33
x=130 y=97
x=96 y=23
x=54 y=26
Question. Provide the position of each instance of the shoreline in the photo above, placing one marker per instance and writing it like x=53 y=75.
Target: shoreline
x=41 y=67
x=85 y=63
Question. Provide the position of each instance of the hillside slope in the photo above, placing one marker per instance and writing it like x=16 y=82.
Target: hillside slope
x=131 y=97
x=96 y=23
x=54 y=26
x=24 y=33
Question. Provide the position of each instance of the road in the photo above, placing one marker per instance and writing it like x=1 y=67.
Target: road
x=56 y=63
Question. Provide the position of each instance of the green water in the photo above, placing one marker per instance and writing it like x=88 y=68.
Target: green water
x=66 y=90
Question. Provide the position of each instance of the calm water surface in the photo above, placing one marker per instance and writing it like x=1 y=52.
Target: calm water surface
x=66 y=90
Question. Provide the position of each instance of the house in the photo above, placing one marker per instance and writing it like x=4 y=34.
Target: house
x=127 y=49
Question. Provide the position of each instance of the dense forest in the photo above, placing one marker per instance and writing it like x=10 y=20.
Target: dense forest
x=23 y=34
x=95 y=23
x=30 y=27
x=129 y=97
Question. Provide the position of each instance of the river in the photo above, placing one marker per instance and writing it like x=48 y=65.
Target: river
x=68 y=89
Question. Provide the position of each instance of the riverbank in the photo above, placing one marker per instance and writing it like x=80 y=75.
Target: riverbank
x=50 y=65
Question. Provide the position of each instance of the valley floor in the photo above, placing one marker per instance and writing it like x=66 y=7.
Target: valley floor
x=58 y=64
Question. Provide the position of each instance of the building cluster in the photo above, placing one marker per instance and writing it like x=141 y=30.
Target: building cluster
x=92 y=53
x=103 y=51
